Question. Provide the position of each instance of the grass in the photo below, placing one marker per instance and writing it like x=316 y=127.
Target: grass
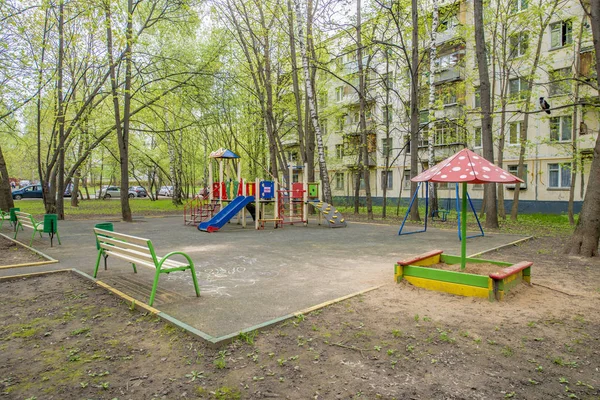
x=533 y=224
x=104 y=207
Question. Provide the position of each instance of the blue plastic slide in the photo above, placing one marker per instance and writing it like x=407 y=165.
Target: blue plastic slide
x=226 y=213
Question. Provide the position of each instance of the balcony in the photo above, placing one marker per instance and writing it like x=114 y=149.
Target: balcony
x=351 y=160
x=449 y=74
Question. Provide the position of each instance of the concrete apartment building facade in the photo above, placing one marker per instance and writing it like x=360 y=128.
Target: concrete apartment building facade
x=552 y=139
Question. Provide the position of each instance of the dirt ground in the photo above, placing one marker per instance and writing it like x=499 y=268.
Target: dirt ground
x=12 y=254
x=62 y=337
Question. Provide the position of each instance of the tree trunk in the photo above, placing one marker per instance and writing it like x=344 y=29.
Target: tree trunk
x=362 y=93
x=123 y=139
x=388 y=147
x=414 y=109
x=433 y=198
x=60 y=187
x=584 y=241
x=6 y=200
x=491 y=220
x=312 y=107
x=296 y=85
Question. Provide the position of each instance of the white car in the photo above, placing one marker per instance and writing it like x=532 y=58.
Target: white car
x=108 y=192
x=166 y=191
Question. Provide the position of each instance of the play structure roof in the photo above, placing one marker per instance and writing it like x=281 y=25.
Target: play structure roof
x=223 y=153
x=466 y=166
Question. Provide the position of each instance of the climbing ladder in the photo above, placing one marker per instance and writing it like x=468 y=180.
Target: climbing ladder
x=199 y=209
x=333 y=217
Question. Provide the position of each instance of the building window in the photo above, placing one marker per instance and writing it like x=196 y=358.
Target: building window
x=446 y=61
x=447 y=93
x=561 y=128
x=341 y=121
x=387 y=113
x=339 y=181
x=388 y=81
x=519 y=43
x=519 y=5
x=477 y=102
x=339 y=93
x=514 y=169
x=387 y=180
x=560 y=82
x=356 y=118
x=446 y=133
x=518 y=88
x=478 y=139
x=406 y=179
x=386 y=147
x=559 y=175
x=514 y=133
x=339 y=150
x=448 y=19
x=561 y=34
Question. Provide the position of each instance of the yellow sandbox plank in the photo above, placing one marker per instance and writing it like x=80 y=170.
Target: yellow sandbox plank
x=447 y=287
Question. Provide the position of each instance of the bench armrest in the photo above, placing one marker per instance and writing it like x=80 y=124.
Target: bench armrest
x=163 y=259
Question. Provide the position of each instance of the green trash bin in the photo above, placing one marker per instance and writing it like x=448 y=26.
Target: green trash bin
x=13 y=217
x=107 y=226
x=51 y=227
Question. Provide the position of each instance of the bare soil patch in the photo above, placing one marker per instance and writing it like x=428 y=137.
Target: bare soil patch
x=63 y=337
x=13 y=254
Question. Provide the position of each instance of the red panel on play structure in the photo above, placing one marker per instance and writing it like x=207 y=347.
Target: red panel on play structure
x=215 y=188
x=297 y=190
x=466 y=166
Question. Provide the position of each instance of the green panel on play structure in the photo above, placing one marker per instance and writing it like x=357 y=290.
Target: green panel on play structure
x=313 y=190
x=449 y=259
x=446 y=276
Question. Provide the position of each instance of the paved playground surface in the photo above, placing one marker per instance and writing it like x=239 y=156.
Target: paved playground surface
x=249 y=278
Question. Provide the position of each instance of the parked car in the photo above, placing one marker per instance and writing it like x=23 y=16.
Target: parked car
x=166 y=191
x=28 y=192
x=108 y=192
x=139 y=191
x=69 y=190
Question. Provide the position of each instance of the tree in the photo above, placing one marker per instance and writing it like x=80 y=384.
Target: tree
x=312 y=106
x=544 y=13
x=584 y=241
x=362 y=93
x=491 y=220
x=6 y=200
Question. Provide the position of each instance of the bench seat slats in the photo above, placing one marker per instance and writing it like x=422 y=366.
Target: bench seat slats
x=120 y=243
x=124 y=237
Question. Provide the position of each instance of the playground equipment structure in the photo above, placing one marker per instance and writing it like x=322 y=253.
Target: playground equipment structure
x=266 y=201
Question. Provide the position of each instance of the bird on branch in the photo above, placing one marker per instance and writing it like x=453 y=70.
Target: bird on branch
x=544 y=105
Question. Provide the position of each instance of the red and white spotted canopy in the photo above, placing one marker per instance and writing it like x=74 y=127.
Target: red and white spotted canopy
x=466 y=166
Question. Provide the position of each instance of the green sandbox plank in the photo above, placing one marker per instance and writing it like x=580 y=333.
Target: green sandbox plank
x=446 y=276
x=448 y=259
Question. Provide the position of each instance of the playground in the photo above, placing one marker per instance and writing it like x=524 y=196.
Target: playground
x=247 y=277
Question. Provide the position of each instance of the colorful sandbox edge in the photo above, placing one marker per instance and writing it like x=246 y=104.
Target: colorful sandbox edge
x=494 y=287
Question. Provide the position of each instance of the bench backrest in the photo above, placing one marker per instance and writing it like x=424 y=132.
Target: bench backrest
x=26 y=219
x=130 y=248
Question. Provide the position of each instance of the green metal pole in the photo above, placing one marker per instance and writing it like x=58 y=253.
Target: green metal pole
x=463 y=223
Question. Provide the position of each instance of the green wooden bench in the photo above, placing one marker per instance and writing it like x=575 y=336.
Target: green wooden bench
x=136 y=250
x=27 y=220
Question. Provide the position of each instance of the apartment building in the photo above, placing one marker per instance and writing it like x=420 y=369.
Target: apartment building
x=556 y=142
